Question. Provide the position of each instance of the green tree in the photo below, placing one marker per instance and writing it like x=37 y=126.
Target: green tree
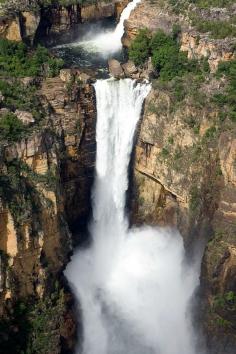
x=139 y=50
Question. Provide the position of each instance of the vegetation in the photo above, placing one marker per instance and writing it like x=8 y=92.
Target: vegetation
x=17 y=60
x=217 y=29
x=140 y=47
x=205 y=4
x=11 y=128
x=18 y=189
x=226 y=100
x=31 y=327
x=168 y=60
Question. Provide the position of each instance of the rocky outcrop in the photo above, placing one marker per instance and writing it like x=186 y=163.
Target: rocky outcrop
x=28 y=24
x=185 y=177
x=75 y=119
x=10 y=29
x=153 y=15
x=52 y=171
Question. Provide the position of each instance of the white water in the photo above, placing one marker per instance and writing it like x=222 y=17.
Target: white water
x=132 y=285
x=105 y=43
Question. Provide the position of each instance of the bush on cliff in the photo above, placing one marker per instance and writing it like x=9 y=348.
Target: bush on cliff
x=17 y=60
x=140 y=48
x=11 y=128
x=227 y=100
x=164 y=50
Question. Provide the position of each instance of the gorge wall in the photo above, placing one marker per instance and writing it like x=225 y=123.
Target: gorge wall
x=32 y=20
x=54 y=169
x=184 y=166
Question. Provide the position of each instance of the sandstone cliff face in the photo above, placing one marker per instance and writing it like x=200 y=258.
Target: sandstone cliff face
x=153 y=15
x=184 y=170
x=52 y=170
x=27 y=23
x=186 y=179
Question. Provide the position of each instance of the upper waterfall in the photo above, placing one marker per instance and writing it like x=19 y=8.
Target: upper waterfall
x=108 y=42
x=119 y=104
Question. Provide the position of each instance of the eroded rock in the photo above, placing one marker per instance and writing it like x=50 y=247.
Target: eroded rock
x=115 y=69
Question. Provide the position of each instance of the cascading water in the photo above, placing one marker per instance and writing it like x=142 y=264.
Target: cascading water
x=132 y=285
x=105 y=43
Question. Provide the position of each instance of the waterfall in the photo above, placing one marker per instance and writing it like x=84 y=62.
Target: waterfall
x=105 y=43
x=132 y=284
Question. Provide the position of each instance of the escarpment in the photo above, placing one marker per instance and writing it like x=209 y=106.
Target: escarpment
x=46 y=181
x=29 y=21
x=197 y=43
x=184 y=164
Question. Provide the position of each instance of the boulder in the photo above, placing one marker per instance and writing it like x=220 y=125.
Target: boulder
x=28 y=81
x=129 y=68
x=13 y=32
x=4 y=111
x=115 y=69
x=24 y=116
x=66 y=75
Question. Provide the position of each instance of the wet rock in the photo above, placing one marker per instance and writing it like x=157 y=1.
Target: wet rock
x=115 y=69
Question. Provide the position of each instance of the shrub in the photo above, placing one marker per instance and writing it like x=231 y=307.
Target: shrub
x=11 y=128
x=17 y=96
x=17 y=60
x=164 y=49
x=167 y=58
x=227 y=99
x=139 y=50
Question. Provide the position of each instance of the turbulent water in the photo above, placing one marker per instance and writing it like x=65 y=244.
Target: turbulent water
x=132 y=284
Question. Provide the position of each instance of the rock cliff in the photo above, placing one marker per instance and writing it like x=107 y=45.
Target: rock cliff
x=157 y=14
x=47 y=181
x=184 y=166
x=33 y=20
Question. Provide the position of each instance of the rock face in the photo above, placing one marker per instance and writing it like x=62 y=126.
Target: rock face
x=186 y=180
x=153 y=15
x=10 y=29
x=29 y=24
x=184 y=168
x=56 y=165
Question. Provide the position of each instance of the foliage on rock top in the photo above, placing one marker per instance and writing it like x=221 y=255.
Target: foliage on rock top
x=164 y=50
x=17 y=60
